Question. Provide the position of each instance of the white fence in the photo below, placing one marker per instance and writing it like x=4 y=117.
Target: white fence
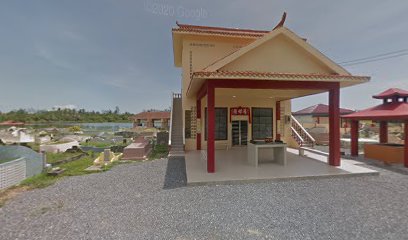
x=12 y=173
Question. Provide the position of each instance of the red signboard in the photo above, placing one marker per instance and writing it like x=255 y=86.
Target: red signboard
x=240 y=111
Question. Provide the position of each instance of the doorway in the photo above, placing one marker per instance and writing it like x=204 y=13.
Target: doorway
x=239 y=133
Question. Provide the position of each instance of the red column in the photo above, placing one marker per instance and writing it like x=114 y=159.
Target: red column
x=278 y=118
x=354 y=138
x=334 y=126
x=198 y=137
x=211 y=128
x=406 y=144
x=383 y=132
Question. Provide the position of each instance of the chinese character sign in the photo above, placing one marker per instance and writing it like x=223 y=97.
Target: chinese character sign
x=240 y=111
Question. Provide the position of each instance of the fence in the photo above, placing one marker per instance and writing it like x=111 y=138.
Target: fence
x=27 y=163
x=12 y=173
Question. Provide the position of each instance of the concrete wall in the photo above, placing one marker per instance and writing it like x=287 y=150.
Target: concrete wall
x=34 y=159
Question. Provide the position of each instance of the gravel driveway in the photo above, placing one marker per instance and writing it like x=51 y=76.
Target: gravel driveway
x=149 y=201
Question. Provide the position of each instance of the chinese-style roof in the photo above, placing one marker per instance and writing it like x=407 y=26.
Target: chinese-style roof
x=386 y=111
x=152 y=115
x=277 y=76
x=321 y=110
x=11 y=123
x=220 y=30
x=392 y=92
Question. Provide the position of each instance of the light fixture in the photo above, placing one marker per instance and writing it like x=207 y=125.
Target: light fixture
x=234 y=96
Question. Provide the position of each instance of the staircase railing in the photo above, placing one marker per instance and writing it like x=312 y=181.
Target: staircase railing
x=173 y=96
x=300 y=134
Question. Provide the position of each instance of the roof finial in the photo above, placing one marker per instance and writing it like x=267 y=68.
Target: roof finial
x=282 y=21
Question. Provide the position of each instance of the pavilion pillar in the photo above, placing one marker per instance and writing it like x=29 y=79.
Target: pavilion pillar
x=211 y=128
x=383 y=132
x=198 y=136
x=334 y=126
x=354 y=137
x=278 y=118
x=406 y=144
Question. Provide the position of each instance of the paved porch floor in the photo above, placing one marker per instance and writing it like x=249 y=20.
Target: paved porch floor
x=231 y=166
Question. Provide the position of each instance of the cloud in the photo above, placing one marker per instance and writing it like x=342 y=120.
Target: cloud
x=47 y=55
x=67 y=106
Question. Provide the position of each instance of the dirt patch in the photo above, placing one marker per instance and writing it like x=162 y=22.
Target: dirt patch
x=10 y=193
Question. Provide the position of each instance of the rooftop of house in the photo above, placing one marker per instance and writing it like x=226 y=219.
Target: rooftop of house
x=152 y=115
x=320 y=109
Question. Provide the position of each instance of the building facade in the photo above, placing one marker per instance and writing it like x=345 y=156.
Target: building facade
x=237 y=85
x=156 y=119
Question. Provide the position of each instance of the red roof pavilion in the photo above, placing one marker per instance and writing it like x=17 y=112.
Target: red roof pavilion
x=393 y=108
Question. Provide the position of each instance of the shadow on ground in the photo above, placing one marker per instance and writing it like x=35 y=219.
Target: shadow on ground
x=175 y=173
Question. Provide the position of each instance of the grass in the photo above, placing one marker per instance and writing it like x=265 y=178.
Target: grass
x=73 y=168
x=43 y=180
x=159 y=151
x=97 y=144
x=34 y=146
x=55 y=157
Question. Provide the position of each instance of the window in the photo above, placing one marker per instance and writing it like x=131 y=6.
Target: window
x=262 y=123
x=221 y=123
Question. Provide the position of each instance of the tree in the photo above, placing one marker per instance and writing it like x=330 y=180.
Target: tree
x=117 y=110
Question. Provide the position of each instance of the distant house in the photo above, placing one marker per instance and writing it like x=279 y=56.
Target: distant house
x=157 y=119
x=317 y=115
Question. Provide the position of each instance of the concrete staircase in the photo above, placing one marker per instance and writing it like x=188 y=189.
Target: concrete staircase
x=176 y=130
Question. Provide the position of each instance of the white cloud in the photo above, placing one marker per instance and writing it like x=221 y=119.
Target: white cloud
x=62 y=107
x=49 y=56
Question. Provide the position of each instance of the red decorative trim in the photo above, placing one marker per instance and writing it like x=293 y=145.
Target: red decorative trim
x=188 y=26
x=266 y=84
x=310 y=76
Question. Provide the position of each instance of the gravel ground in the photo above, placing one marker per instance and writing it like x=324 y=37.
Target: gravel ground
x=149 y=201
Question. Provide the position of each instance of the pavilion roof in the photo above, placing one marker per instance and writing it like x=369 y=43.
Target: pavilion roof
x=392 y=92
x=320 y=109
x=387 y=111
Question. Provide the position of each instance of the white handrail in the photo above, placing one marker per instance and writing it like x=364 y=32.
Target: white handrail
x=297 y=134
x=302 y=128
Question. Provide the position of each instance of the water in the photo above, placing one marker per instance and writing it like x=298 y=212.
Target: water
x=100 y=127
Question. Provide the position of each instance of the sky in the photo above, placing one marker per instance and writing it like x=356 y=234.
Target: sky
x=98 y=54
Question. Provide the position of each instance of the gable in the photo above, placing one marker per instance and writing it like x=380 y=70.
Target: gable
x=279 y=54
